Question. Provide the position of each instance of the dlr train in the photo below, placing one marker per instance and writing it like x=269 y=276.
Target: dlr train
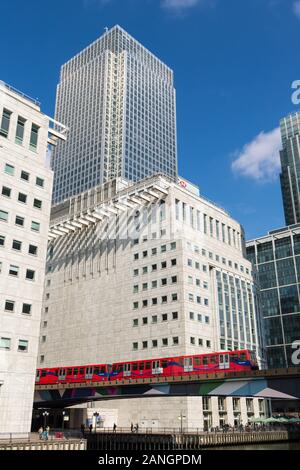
x=229 y=361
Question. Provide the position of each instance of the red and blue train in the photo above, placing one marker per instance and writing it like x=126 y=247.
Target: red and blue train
x=229 y=361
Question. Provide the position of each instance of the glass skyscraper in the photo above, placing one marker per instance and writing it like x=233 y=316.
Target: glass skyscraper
x=276 y=258
x=290 y=167
x=119 y=103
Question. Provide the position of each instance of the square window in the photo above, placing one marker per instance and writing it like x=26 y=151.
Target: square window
x=24 y=175
x=9 y=305
x=165 y=341
x=173 y=262
x=13 y=270
x=145 y=321
x=163 y=265
x=5 y=343
x=9 y=169
x=175 y=340
x=23 y=345
x=164 y=317
x=26 y=309
x=174 y=315
x=16 y=245
x=39 y=182
x=19 y=221
x=6 y=191
x=145 y=344
x=3 y=216
x=135 y=346
x=37 y=203
x=32 y=250
x=22 y=198
x=2 y=240
x=30 y=274
x=35 y=226
x=154 y=343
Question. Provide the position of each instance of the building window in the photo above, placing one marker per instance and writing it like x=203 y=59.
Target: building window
x=24 y=175
x=165 y=341
x=154 y=318
x=5 y=343
x=35 y=226
x=135 y=346
x=16 y=245
x=192 y=340
x=37 y=203
x=173 y=262
x=32 y=250
x=6 y=191
x=5 y=122
x=175 y=340
x=26 y=309
x=174 y=279
x=3 y=216
x=23 y=345
x=145 y=344
x=163 y=265
x=9 y=169
x=174 y=315
x=2 y=240
x=208 y=344
x=154 y=343
x=30 y=274
x=13 y=270
x=145 y=320
x=9 y=305
x=34 y=137
x=22 y=198
x=39 y=182
x=19 y=221
x=20 y=130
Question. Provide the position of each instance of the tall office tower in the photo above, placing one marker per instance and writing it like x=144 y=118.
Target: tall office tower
x=148 y=270
x=25 y=201
x=118 y=101
x=276 y=257
x=290 y=167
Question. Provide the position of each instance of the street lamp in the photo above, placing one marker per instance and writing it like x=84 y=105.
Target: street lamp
x=63 y=420
x=181 y=417
x=45 y=414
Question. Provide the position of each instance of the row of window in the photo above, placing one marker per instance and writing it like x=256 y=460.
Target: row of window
x=217 y=258
x=14 y=271
x=154 y=284
x=17 y=246
x=10 y=306
x=165 y=342
x=20 y=129
x=154 y=301
x=154 y=251
x=6 y=344
x=198 y=283
x=6 y=191
x=19 y=221
x=154 y=319
x=24 y=175
x=154 y=267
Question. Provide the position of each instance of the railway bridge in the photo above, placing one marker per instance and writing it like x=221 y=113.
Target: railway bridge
x=277 y=384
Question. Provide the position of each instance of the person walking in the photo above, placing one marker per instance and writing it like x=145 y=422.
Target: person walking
x=131 y=427
x=82 y=427
x=47 y=433
x=137 y=428
x=115 y=427
x=91 y=428
x=40 y=431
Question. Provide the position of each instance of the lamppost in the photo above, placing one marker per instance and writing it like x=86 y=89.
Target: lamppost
x=63 y=420
x=45 y=414
x=181 y=417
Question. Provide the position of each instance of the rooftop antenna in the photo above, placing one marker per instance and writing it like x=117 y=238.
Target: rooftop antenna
x=106 y=29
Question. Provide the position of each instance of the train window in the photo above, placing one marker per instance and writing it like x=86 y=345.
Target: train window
x=164 y=363
x=44 y=373
x=56 y=372
x=180 y=361
x=234 y=357
x=142 y=366
x=197 y=361
x=69 y=371
x=75 y=372
x=81 y=370
x=148 y=365
x=102 y=369
x=205 y=360
x=96 y=370
x=242 y=356
x=135 y=366
x=120 y=368
x=213 y=359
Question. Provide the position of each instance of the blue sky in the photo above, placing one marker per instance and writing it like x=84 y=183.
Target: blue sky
x=234 y=62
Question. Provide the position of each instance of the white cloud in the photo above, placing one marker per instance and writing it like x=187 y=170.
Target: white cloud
x=259 y=159
x=296 y=8
x=179 y=4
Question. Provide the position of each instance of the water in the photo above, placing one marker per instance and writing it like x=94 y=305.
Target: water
x=275 y=446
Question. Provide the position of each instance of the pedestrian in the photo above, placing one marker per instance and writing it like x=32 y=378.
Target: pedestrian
x=82 y=427
x=40 y=431
x=47 y=433
x=91 y=428
x=131 y=427
x=137 y=427
x=115 y=427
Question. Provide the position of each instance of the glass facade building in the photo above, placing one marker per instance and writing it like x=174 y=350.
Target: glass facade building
x=276 y=258
x=119 y=103
x=290 y=167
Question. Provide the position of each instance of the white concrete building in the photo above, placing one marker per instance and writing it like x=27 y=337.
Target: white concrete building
x=146 y=270
x=25 y=201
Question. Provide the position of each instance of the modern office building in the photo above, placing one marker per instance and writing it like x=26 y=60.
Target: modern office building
x=146 y=270
x=276 y=257
x=290 y=167
x=119 y=103
x=25 y=202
